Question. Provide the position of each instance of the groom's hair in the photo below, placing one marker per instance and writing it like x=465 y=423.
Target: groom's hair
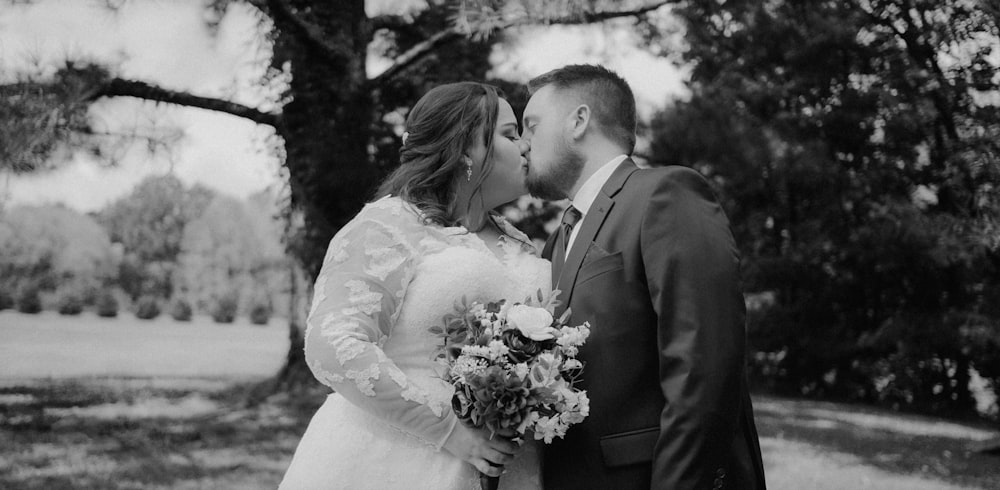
x=608 y=95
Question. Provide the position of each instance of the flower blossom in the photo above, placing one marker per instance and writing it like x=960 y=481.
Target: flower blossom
x=534 y=323
x=574 y=336
x=548 y=428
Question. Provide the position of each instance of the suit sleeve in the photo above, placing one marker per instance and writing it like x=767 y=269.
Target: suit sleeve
x=692 y=269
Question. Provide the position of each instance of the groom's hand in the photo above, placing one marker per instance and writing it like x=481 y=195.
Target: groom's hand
x=477 y=447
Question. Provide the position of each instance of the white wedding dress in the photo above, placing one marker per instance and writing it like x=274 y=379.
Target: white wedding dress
x=387 y=278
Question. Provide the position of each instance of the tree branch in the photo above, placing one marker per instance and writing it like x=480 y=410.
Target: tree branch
x=415 y=54
x=389 y=22
x=118 y=87
x=421 y=50
x=312 y=34
x=594 y=17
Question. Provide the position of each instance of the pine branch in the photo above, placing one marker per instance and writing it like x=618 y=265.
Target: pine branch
x=594 y=17
x=310 y=33
x=421 y=50
x=118 y=87
x=415 y=54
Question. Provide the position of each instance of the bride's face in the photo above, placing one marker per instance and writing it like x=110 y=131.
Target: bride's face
x=505 y=181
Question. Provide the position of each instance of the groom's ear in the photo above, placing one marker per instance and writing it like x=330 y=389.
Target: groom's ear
x=580 y=120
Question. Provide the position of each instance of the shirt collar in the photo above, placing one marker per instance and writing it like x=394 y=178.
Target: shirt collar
x=589 y=190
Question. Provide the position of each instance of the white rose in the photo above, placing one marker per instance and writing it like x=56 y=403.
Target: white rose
x=534 y=323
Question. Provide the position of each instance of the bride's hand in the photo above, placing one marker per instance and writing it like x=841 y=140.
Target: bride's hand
x=477 y=448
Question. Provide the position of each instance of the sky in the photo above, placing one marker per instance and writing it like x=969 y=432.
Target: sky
x=165 y=42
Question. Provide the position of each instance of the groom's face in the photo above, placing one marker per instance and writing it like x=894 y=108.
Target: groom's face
x=554 y=165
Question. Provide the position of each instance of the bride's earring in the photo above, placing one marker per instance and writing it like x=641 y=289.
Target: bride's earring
x=468 y=169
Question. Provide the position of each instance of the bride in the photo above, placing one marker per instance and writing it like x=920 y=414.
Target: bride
x=392 y=273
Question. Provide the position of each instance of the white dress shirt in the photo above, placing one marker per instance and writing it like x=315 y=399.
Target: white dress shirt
x=584 y=197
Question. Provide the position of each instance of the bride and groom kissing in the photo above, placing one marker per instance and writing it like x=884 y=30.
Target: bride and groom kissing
x=645 y=255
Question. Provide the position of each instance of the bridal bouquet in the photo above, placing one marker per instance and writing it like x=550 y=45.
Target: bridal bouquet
x=514 y=367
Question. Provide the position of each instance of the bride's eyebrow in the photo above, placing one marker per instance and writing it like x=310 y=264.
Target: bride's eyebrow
x=504 y=126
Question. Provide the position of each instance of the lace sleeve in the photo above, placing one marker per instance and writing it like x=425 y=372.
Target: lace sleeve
x=357 y=300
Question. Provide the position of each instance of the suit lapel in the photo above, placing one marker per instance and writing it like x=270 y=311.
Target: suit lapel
x=591 y=224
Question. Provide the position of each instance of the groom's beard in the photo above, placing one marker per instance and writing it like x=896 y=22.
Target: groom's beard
x=556 y=183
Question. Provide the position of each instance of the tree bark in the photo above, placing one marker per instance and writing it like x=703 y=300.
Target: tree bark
x=325 y=128
x=295 y=372
x=118 y=87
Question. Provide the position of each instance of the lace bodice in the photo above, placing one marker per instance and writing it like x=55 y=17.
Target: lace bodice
x=388 y=277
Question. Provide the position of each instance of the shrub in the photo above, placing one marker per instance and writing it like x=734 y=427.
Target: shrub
x=6 y=300
x=224 y=309
x=147 y=308
x=29 y=301
x=181 y=310
x=107 y=305
x=70 y=303
x=260 y=313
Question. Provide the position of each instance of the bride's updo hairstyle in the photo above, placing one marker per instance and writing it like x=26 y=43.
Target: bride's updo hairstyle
x=444 y=124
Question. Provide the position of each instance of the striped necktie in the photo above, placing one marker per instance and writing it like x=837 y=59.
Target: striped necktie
x=570 y=218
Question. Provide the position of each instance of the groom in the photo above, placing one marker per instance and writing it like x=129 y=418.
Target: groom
x=645 y=255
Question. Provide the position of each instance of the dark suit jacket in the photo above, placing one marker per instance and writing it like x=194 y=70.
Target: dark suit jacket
x=655 y=269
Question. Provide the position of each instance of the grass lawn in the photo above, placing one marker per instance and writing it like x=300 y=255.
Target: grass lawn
x=52 y=345
x=126 y=404
x=821 y=445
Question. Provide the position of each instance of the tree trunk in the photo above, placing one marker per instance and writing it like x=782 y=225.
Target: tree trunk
x=295 y=372
x=325 y=130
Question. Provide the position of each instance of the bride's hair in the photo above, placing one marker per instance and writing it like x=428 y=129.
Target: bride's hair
x=441 y=127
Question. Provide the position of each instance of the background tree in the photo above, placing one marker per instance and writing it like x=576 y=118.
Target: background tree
x=226 y=253
x=54 y=248
x=149 y=224
x=270 y=293
x=856 y=145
